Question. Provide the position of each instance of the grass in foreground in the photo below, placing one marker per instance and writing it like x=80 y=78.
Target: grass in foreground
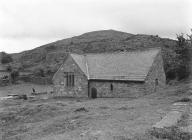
x=103 y=118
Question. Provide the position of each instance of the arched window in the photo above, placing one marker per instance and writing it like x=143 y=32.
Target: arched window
x=70 y=79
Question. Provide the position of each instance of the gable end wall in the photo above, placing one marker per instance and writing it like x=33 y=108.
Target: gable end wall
x=120 y=89
x=81 y=84
x=156 y=72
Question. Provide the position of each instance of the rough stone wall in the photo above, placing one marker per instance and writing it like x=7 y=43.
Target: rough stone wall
x=156 y=72
x=81 y=85
x=120 y=89
x=133 y=89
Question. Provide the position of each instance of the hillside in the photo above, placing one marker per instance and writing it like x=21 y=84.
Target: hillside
x=51 y=55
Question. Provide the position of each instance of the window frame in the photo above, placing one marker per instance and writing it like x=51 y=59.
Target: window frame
x=69 y=79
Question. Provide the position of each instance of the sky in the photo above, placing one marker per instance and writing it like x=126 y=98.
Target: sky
x=26 y=24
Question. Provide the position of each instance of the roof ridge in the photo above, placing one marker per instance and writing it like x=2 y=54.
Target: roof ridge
x=132 y=65
x=119 y=52
x=87 y=68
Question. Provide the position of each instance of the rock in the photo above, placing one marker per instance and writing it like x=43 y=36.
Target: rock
x=5 y=98
x=82 y=109
x=169 y=120
x=180 y=104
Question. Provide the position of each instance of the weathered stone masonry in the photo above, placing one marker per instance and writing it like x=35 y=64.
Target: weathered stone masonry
x=81 y=85
x=120 y=88
x=133 y=89
x=108 y=88
x=156 y=72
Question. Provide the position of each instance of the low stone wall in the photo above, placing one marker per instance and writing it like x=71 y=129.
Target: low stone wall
x=174 y=116
x=42 y=95
x=169 y=120
x=41 y=80
x=176 y=124
x=36 y=80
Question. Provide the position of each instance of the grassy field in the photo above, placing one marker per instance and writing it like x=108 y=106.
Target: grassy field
x=25 y=88
x=83 y=119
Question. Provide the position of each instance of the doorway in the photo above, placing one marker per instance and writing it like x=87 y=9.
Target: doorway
x=93 y=93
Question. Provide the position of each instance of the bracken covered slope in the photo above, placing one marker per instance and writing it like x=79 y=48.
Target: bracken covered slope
x=51 y=55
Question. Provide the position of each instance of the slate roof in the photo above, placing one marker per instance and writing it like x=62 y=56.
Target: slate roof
x=81 y=62
x=129 y=66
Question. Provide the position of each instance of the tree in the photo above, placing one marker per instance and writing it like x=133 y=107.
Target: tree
x=182 y=58
x=190 y=38
x=190 y=51
x=6 y=58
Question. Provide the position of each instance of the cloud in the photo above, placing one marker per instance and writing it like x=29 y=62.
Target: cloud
x=41 y=20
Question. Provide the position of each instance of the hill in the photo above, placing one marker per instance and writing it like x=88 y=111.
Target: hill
x=51 y=55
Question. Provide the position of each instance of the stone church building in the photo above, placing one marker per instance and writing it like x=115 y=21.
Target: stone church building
x=120 y=74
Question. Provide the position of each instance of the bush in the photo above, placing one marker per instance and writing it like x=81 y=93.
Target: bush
x=170 y=75
x=172 y=133
x=49 y=71
x=39 y=72
x=14 y=75
x=177 y=59
x=185 y=99
x=6 y=58
x=82 y=109
x=180 y=67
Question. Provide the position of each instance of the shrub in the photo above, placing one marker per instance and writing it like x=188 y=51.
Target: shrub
x=39 y=72
x=49 y=71
x=185 y=99
x=172 y=133
x=82 y=109
x=6 y=58
x=182 y=58
x=14 y=75
x=9 y=68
